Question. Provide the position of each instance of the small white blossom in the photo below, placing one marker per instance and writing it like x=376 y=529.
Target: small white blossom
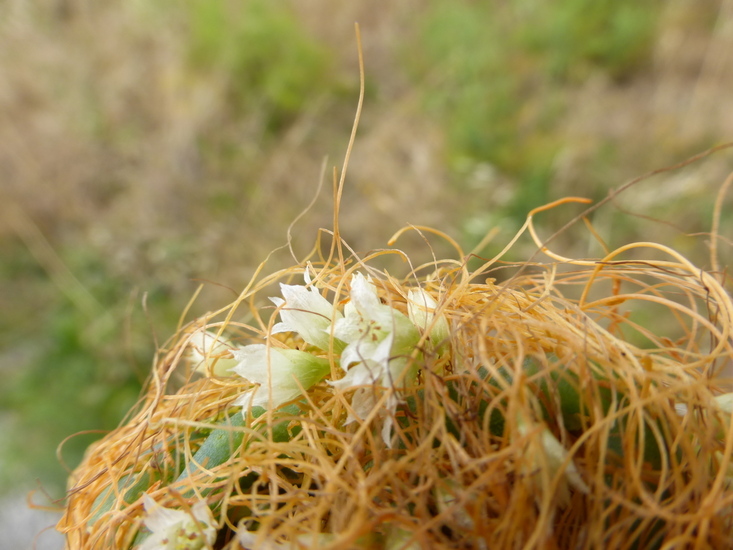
x=374 y=332
x=421 y=309
x=305 y=311
x=210 y=354
x=379 y=340
x=178 y=530
x=280 y=373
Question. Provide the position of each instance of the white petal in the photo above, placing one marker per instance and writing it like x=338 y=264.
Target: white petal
x=362 y=402
x=387 y=431
x=252 y=363
x=208 y=352
x=365 y=342
x=420 y=307
x=172 y=528
x=155 y=541
x=261 y=397
x=360 y=374
x=365 y=301
x=306 y=312
x=202 y=513
x=247 y=539
x=158 y=518
x=307 y=299
x=725 y=402
x=277 y=328
x=358 y=352
x=364 y=295
x=383 y=351
x=351 y=327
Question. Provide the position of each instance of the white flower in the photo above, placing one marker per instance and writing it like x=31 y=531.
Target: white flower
x=178 y=530
x=280 y=373
x=210 y=354
x=374 y=332
x=306 y=312
x=379 y=341
x=421 y=310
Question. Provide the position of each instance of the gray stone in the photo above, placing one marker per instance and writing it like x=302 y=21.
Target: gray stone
x=23 y=528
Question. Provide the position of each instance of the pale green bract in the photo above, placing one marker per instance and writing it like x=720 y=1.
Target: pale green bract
x=551 y=453
x=177 y=530
x=280 y=373
x=421 y=308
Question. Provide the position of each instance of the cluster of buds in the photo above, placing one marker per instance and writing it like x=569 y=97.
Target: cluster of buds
x=372 y=343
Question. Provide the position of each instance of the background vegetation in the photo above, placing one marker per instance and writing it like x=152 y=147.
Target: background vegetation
x=145 y=146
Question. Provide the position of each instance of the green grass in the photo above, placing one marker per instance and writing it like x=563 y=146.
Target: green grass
x=273 y=67
x=83 y=370
x=500 y=76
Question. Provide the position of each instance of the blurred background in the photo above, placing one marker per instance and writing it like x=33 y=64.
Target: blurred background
x=146 y=146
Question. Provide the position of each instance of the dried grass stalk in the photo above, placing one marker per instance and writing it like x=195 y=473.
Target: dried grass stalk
x=641 y=452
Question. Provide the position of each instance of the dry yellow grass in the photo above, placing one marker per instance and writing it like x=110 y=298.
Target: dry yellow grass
x=637 y=423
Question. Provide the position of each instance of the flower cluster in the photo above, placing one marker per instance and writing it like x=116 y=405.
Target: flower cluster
x=373 y=344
